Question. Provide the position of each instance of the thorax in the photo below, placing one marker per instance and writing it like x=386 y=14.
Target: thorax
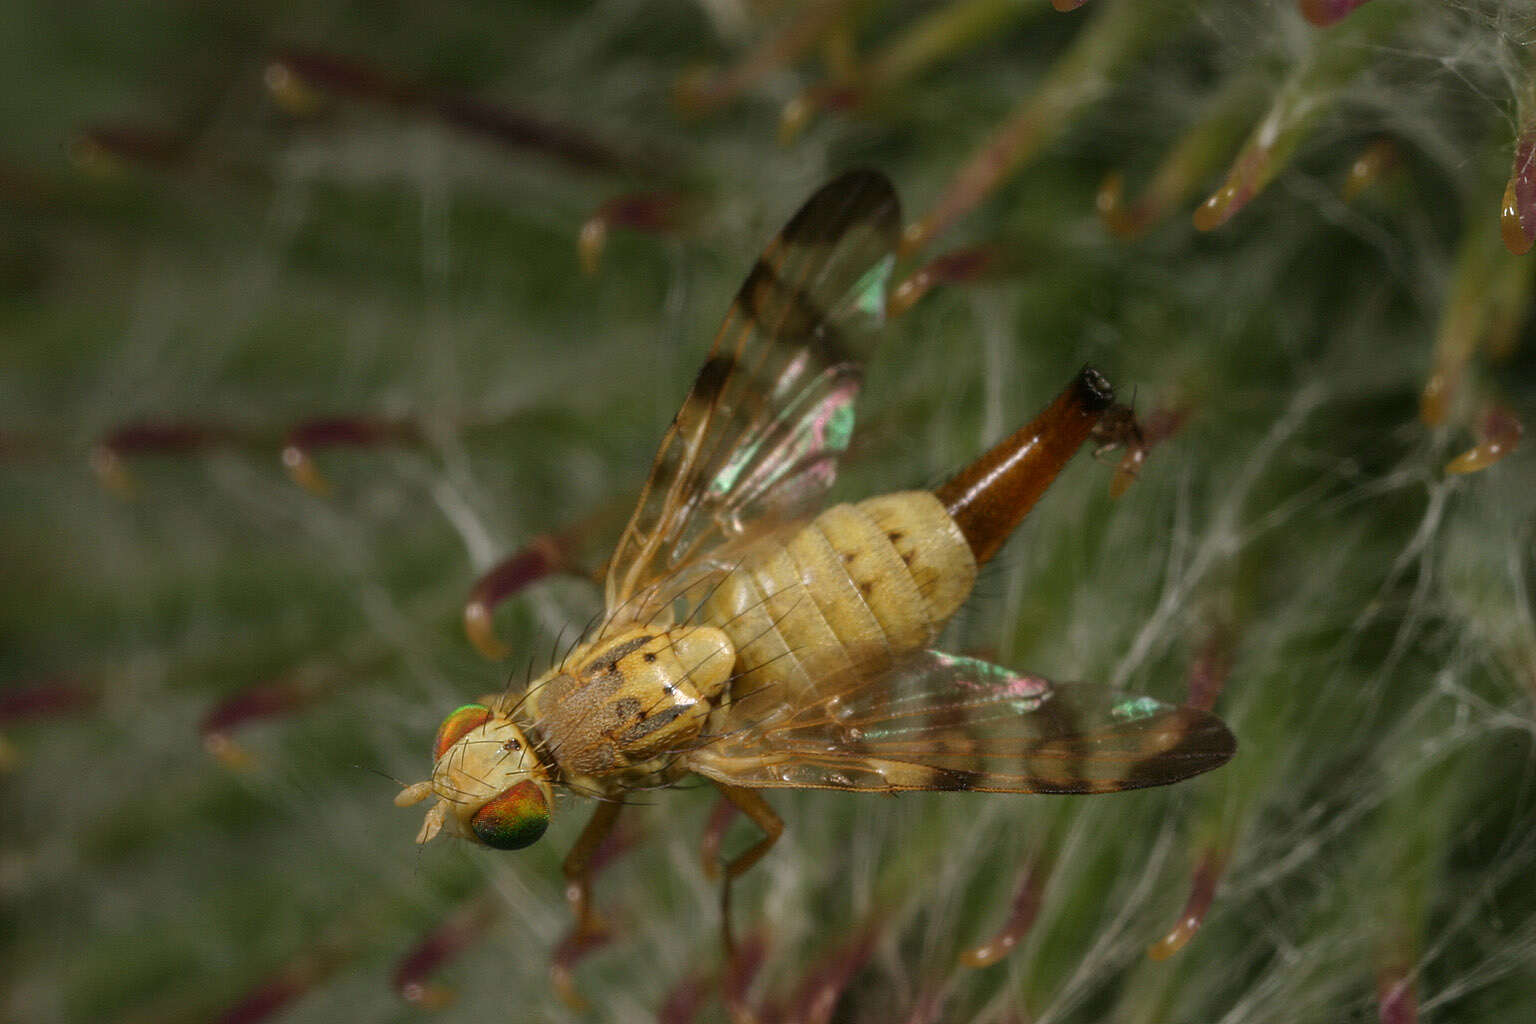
x=619 y=708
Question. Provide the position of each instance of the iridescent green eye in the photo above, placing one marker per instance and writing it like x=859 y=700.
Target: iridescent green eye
x=463 y=720
x=514 y=819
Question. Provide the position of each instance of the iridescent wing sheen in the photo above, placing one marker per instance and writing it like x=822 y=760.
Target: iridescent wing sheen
x=758 y=436
x=937 y=721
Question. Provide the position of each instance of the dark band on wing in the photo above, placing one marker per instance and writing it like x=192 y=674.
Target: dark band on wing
x=953 y=780
x=712 y=378
x=1058 y=719
x=1205 y=743
x=796 y=316
x=860 y=196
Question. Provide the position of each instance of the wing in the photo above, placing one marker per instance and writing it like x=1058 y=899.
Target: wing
x=758 y=436
x=942 y=722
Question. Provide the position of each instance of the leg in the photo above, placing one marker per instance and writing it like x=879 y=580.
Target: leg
x=991 y=496
x=588 y=932
x=578 y=866
x=714 y=834
x=750 y=803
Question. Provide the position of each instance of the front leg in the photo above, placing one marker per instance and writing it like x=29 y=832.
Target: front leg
x=588 y=932
x=750 y=803
x=578 y=866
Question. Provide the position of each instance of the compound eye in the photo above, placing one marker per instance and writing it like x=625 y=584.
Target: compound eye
x=461 y=721
x=514 y=819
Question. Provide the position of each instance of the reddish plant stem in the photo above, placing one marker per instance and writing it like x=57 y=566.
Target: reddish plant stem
x=57 y=697
x=707 y=89
x=651 y=213
x=1378 y=160
x=104 y=148
x=1202 y=892
x=338 y=431
x=1498 y=434
x=962 y=266
x=1397 y=997
x=542 y=556
x=456 y=933
x=289 y=983
x=686 y=998
x=1522 y=182
x=816 y=997
x=298 y=73
x=1211 y=668
x=172 y=437
x=1026 y=906
x=1323 y=13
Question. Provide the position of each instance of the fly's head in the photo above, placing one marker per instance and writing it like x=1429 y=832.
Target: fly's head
x=491 y=785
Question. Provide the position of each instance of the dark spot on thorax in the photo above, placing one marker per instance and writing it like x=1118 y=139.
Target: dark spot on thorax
x=608 y=658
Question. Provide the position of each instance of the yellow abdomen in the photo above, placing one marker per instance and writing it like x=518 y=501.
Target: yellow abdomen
x=885 y=574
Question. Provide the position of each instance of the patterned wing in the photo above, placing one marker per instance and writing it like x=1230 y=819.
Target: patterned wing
x=942 y=722
x=757 y=438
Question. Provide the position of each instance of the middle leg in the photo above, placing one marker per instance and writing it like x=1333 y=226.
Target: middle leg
x=750 y=803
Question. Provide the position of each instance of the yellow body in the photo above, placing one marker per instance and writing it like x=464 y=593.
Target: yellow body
x=883 y=575
x=625 y=707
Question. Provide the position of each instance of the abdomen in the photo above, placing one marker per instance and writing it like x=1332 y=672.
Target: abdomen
x=882 y=576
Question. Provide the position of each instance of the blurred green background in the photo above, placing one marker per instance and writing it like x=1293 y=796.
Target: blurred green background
x=179 y=249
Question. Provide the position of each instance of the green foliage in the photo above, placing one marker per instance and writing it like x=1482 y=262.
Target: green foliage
x=378 y=262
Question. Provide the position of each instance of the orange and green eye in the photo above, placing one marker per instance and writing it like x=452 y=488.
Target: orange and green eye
x=463 y=720
x=512 y=820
